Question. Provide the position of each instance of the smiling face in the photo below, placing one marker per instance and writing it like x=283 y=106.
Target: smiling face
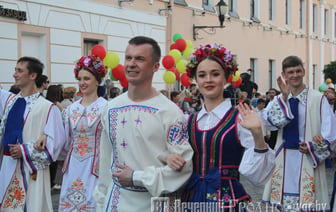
x=211 y=79
x=139 y=64
x=294 y=76
x=22 y=76
x=87 y=82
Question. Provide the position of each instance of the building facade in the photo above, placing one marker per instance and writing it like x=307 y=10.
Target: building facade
x=260 y=33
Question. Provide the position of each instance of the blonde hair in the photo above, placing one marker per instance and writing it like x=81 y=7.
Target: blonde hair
x=69 y=92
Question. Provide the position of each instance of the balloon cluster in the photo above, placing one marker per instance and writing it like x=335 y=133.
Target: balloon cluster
x=235 y=79
x=175 y=62
x=111 y=60
x=325 y=85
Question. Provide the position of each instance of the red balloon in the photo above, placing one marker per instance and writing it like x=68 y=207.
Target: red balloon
x=181 y=44
x=168 y=61
x=237 y=83
x=98 y=51
x=118 y=73
x=229 y=79
x=175 y=71
x=185 y=80
x=124 y=83
x=173 y=46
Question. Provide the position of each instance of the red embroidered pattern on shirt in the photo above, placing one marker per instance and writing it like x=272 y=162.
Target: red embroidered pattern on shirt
x=16 y=195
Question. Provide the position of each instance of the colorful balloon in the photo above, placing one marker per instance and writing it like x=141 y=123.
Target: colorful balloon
x=169 y=77
x=111 y=76
x=111 y=60
x=98 y=51
x=176 y=54
x=181 y=44
x=185 y=80
x=236 y=76
x=189 y=44
x=168 y=61
x=175 y=71
x=173 y=46
x=237 y=83
x=176 y=36
x=328 y=81
x=118 y=72
x=181 y=66
x=187 y=52
x=124 y=83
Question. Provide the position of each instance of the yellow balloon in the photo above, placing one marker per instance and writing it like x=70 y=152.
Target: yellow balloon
x=236 y=76
x=328 y=81
x=176 y=55
x=181 y=66
x=189 y=44
x=111 y=60
x=187 y=52
x=169 y=77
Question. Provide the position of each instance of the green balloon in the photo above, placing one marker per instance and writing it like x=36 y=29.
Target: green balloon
x=111 y=77
x=176 y=37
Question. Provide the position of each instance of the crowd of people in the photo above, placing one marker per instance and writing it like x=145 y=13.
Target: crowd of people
x=142 y=149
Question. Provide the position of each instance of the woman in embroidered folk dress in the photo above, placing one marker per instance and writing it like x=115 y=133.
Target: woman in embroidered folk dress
x=227 y=141
x=82 y=122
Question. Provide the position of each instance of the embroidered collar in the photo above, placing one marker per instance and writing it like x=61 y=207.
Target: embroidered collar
x=92 y=112
x=218 y=111
x=302 y=97
x=30 y=100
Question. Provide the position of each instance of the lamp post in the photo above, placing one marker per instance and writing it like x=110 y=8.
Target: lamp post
x=221 y=8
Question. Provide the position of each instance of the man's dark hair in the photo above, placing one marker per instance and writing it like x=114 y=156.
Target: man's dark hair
x=261 y=100
x=138 y=40
x=34 y=65
x=42 y=79
x=174 y=94
x=291 y=61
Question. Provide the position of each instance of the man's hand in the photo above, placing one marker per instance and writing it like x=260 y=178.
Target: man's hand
x=317 y=139
x=284 y=88
x=303 y=147
x=124 y=175
x=15 y=151
x=175 y=162
x=40 y=144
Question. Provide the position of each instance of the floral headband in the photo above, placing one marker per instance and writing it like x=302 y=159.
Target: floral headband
x=223 y=55
x=92 y=64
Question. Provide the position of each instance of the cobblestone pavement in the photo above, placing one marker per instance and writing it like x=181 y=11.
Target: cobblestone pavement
x=255 y=192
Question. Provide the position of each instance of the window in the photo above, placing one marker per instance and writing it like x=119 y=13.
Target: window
x=233 y=9
x=208 y=5
x=288 y=11
x=315 y=18
x=271 y=74
x=302 y=14
x=182 y=2
x=88 y=44
x=270 y=9
x=326 y=21
x=254 y=11
x=254 y=68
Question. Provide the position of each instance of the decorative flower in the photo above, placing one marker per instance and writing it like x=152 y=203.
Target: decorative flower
x=223 y=54
x=93 y=64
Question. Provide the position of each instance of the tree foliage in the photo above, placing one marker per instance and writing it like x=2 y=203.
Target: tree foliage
x=330 y=71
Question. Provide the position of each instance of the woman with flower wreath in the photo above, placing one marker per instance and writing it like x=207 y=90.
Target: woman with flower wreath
x=82 y=121
x=227 y=140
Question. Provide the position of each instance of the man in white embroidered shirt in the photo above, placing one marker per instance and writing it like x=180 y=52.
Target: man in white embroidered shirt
x=300 y=113
x=140 y=129
x=24 y=172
